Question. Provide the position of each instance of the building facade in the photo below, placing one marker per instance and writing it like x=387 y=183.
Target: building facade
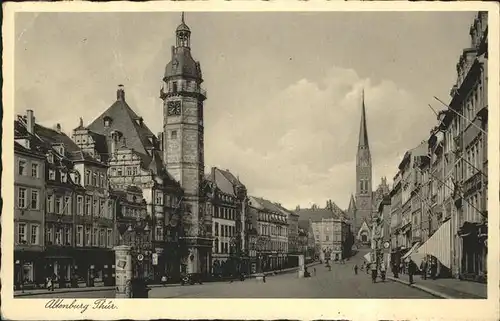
x=227 y=203
x=29 y=211
x=444 y=182
x=272 y=233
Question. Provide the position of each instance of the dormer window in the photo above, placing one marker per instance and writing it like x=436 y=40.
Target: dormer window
x=107 y=121
x=139 y=121
x=50 y=158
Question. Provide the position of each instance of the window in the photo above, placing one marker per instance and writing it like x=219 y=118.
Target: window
x=96 y=237
x=79 y=205
x=52 y=175
x=35 y=200
x=88 y=205
x=101 y=238
x=64 y=177
x=102 y=207
x=119 y=171
x=103 y=180
x=96 y=207
x=22 y=238
x=174 y=87
x=110 y=209
x=79 y=235
x=59 y=207
x=173 y=134
x=48 y=235
x=159 y=233
x=77 y=178
x=34 y=170
x=109 y=238
x=87 y=177
x=22 y=167
x=129 y=171
x=58 y=239
x=134 y=170
x=50 y=158
x=50 y=203
x=216 y=229
x=67 y=205
x=94 y=179
x=158 y=198
x=67 y=236
x=88 y=238
x=22 y=202
x=216 y=250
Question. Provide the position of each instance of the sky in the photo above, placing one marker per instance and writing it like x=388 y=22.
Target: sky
x=284 y=88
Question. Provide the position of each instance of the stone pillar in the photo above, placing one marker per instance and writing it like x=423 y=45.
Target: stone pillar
x=123 y=273
x=301 y=266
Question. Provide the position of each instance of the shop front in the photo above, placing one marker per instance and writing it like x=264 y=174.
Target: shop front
x=473 y=265
x=28 y=269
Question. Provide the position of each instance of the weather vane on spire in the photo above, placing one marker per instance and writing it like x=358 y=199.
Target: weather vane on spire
x=182 y=17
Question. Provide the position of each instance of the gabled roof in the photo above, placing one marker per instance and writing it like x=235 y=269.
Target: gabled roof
x=123 y=119
x=315 y=214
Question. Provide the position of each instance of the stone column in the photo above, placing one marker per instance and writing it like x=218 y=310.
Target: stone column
x=123 y=273
x=301 y=266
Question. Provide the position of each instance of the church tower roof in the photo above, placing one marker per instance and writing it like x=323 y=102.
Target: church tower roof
x=182 y=64
x=352 y=203
x=363 y=132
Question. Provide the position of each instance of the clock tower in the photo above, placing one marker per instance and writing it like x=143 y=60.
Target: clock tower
x=364 y=204
x=183 y=145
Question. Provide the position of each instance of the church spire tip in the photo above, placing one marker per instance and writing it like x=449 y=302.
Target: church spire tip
x=182 y=17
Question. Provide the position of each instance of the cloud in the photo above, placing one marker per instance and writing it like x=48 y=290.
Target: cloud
x=300 y=147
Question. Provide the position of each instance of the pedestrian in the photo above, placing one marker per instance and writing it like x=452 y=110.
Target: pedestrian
x=374 y=273
x=424 y=269
x=356 y=269
x=411 y=270
x=382 y=272
x=314 y=271
x=164 y=280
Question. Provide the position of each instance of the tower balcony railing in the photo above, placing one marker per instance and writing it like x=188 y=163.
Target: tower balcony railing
x=183 y=89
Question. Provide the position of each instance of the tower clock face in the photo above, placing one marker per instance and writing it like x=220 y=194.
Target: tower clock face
x=174 y=108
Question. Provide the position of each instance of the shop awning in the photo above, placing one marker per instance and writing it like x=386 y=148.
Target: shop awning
x=407 y=254
x=438 y=245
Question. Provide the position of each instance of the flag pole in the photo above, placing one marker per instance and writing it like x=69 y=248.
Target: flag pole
x=456 y=112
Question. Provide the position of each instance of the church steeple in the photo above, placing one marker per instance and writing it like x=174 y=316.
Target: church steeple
x=363 y=132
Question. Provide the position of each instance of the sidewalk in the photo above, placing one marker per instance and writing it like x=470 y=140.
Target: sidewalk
x=99 y=286
x=446 y=288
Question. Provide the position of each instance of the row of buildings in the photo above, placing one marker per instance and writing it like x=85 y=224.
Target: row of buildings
x=437 y=207
x=113 y=182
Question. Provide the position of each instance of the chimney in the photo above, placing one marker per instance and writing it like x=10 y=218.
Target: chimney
x=120 y=93
x=213 y=174
x=58 y=128
x=30 y=121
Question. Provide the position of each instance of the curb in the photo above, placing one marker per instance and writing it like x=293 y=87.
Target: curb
x=422 y=288
x=93 y=289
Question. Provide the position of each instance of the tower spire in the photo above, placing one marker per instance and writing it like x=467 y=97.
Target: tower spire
x=182 y=17
x=363 y=132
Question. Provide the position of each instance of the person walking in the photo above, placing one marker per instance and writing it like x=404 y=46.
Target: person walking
x=382 y=272
x=314 y=271
x=411 y=270
x=356 y=269
x=424 y=269
x=374 y=272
